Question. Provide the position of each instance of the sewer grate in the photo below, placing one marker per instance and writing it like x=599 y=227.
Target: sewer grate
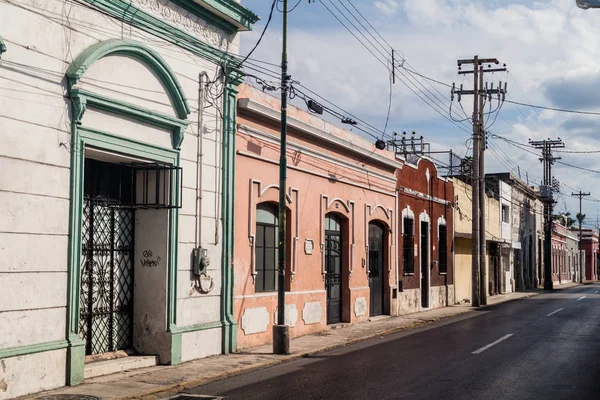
x=195 y=397
x=68 y=397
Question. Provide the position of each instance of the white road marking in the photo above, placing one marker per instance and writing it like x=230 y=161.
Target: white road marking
x=484 y=348
x=554 y=312
x=581 y=298
x=596 y=292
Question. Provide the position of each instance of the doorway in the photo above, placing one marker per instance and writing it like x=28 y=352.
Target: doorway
x=376 y=267
x=333 y=267
x=106 y=316
x=425 y=274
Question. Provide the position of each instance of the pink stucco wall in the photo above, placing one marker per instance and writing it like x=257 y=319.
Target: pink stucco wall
x=322 y=178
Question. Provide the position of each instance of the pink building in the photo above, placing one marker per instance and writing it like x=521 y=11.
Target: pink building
x=342 y=223
x=560 y=272
x=590 y=247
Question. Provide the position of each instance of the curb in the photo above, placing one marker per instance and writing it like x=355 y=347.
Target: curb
x=169 y=390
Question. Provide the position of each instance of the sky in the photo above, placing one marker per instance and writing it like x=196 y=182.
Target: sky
x=551 y=50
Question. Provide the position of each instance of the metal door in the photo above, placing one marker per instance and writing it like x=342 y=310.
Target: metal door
x=376 y=233
x=106 y=316
x=333 y=267
x=425 y=264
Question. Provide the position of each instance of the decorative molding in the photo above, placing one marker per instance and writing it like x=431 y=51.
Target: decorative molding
x=33 y=348
x=190 y=17
x=233 y=10
x=136 y=50
x=424 y=196
x=252 y=211
x=440 y=221
x=349 y=207
x=274 y=115
x=83 y=98
x=124 y=11
x=307 y=171
x=272 y=139
x=369 y=211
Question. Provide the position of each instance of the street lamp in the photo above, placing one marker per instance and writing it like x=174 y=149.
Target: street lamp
x=585 y=4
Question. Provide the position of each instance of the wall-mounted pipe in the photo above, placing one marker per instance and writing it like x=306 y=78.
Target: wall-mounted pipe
x=199 y=157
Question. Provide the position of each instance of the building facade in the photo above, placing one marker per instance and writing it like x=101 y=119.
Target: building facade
x=120 y=191
x=589 y=238
x=426 y=225
x=341 y=257
x=526 y=214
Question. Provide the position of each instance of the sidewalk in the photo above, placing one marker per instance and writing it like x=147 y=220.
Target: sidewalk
x=163 y=381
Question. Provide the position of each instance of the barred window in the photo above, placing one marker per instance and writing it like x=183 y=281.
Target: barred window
x=408 y=246
x=443 y=249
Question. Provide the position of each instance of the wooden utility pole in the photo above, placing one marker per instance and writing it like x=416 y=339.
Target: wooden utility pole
x=581 y=195
x=479 y=272
x=548 y=199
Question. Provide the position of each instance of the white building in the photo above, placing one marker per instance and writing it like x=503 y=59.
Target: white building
x=111 y=179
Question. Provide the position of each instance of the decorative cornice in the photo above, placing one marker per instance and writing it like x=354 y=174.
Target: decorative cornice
x=274 y=115
x=82 y=99
x=229 y=10
x=168 y=30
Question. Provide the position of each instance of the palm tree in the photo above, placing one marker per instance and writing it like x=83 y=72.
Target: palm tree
x=580 y=217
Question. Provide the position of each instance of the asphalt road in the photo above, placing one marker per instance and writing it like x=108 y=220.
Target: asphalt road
x=543 y=347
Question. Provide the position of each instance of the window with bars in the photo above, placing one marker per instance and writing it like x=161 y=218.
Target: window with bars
x=408 y=248
x=266 y=247
x=443 y=249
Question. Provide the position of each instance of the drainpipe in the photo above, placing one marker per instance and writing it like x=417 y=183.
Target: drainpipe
x=453 y=246
x=199 y=161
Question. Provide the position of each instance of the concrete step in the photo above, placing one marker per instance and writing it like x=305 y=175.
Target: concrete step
x=106 y=367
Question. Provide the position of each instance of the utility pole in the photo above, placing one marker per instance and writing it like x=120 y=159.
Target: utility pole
x=581 y=195
x=479 y=270
x=547 y=197
x=281 y=332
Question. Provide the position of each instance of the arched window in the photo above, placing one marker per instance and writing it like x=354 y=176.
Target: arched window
x=266 y=247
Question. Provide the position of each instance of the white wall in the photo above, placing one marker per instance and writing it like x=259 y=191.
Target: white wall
x=43 y=37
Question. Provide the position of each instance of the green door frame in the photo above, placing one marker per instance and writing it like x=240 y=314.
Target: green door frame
x=84 y=137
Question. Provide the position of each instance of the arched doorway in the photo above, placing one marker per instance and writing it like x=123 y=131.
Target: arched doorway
x=377 y=239
x=334 y=259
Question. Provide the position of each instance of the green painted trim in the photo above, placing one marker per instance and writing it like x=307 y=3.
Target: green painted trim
x=84 y=99
x=118 y=144
x=204 y=13
x=199 y=327
x=126 y=12
x=229 y=341
x=176 y=348
x=2 y=46
x=82 y=137
x=33 y=348
x=137 y=50
x=173 y=256
x=75 y=360
x=234 y=11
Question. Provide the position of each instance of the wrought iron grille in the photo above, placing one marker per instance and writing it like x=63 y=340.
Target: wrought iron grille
x=106 y=316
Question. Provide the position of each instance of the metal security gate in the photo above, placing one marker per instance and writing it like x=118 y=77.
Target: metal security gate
x=106 y=316
x=376 y=281
x=333 y=267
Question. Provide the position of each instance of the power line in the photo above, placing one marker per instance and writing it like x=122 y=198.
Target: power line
x=261 y=35
x=553 y=109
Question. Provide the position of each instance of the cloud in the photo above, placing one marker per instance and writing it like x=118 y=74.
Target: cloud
x=578 y=91
x=387 y=7
x=552 y=50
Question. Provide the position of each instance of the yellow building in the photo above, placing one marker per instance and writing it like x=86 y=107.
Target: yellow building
x=463 y=196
